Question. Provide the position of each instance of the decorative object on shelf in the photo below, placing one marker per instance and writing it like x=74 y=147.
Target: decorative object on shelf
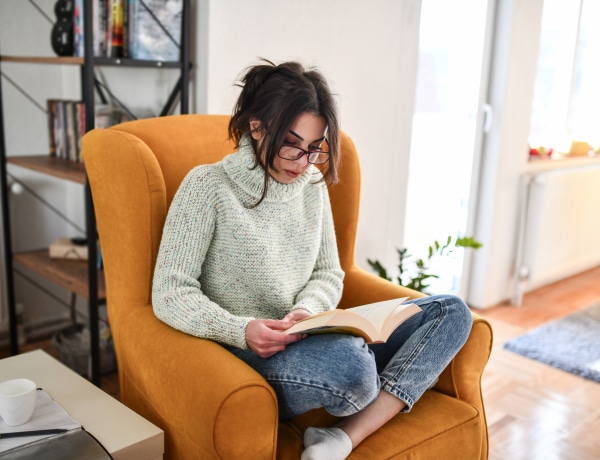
x=155 y=29
x=581 y=149
x=69 y=248
x=417 y=277
x=61 y=38
x=540 y=151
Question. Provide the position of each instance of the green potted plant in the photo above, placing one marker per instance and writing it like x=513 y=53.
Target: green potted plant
x=417 y=278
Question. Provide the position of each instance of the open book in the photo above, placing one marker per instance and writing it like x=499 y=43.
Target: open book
x=374 y=322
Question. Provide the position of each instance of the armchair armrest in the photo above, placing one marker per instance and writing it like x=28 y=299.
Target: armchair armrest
x=461 y=379
x=196 y=391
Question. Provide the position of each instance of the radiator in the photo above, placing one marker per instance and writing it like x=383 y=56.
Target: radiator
x=559 y=227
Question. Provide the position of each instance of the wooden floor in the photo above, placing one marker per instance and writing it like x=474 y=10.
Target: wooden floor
x=534 y=411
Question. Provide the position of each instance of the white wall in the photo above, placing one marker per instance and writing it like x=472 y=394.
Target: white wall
x=368 y=50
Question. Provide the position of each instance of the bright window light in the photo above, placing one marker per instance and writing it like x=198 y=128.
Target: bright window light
x=567 y=96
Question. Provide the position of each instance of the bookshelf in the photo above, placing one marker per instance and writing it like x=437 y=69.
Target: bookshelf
x=82 y=278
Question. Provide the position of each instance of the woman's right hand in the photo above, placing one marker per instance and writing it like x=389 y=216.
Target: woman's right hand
x=265 y=336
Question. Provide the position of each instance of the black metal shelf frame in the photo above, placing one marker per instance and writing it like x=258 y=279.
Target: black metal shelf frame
x=88 y=84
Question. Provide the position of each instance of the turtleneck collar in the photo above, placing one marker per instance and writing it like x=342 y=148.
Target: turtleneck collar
x=242 y=168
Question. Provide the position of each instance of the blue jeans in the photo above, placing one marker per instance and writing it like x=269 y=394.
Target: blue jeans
x=343 y=374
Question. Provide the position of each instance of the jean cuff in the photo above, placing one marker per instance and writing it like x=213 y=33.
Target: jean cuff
x=398 y=393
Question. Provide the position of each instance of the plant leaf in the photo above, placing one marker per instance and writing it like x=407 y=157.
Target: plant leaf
x=468 y=242
x=380 y=269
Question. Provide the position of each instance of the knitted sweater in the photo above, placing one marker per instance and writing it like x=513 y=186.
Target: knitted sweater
x=222 y=263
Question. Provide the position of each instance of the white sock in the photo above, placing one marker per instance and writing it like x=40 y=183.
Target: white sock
x=326 y=444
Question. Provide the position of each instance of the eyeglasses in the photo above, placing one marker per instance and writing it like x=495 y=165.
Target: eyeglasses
x=316 y=157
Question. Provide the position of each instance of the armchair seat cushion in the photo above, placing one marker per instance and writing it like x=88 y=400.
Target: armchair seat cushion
x=438 y=427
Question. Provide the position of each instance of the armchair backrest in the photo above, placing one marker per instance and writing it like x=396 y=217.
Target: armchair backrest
x=134 y=170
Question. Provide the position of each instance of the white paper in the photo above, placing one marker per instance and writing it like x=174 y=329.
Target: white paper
x=48 y=414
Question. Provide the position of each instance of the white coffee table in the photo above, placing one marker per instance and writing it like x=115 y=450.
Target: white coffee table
x=122 y=432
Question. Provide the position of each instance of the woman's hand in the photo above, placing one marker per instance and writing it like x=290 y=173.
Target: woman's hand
x=265 y=336
x=296 y=316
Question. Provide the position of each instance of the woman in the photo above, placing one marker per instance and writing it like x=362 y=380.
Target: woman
x=249 y=248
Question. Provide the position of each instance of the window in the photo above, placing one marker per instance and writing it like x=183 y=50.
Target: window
x=567 y=96
x=443 y=134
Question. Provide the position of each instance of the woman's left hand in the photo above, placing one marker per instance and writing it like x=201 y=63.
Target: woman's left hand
x=296 y=316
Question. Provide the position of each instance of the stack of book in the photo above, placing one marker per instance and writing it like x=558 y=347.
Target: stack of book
x=135 y=29
x=66 y=125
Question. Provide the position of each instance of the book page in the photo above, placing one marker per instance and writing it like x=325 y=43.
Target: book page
x=398 y=316
x=377 y=313
x=341 y=320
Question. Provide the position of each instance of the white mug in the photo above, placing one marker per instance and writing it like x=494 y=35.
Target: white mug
x=17 y=401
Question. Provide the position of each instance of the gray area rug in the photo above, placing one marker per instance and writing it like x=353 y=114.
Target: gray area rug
x=571 y=343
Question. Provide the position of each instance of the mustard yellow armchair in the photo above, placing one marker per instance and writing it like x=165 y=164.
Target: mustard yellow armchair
x=210 y=404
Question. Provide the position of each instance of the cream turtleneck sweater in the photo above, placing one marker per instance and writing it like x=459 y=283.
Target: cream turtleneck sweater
x=222 y=263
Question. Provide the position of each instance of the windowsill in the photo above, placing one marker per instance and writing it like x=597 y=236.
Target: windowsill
x=536 y=164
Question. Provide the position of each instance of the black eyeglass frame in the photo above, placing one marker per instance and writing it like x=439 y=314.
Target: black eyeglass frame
x=304 y=152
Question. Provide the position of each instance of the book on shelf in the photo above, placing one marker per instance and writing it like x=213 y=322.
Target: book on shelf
x=66 y=126
x=78 y=27
x=136 y=29
x=374 y=322
x=51 y=110
x=115 y=32
x=99 y=26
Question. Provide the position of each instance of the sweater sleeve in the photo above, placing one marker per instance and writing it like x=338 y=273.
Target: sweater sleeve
x=324 y=288
x=177 y=295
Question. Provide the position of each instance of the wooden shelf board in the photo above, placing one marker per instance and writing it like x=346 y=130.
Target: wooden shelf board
x=43 y=59
x=58 y=167
x=98 y=61
x=68 y=273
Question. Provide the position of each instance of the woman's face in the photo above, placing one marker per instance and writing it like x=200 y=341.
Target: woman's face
x=307 y=132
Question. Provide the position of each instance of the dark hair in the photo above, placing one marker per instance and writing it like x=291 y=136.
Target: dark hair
x=276 y=95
